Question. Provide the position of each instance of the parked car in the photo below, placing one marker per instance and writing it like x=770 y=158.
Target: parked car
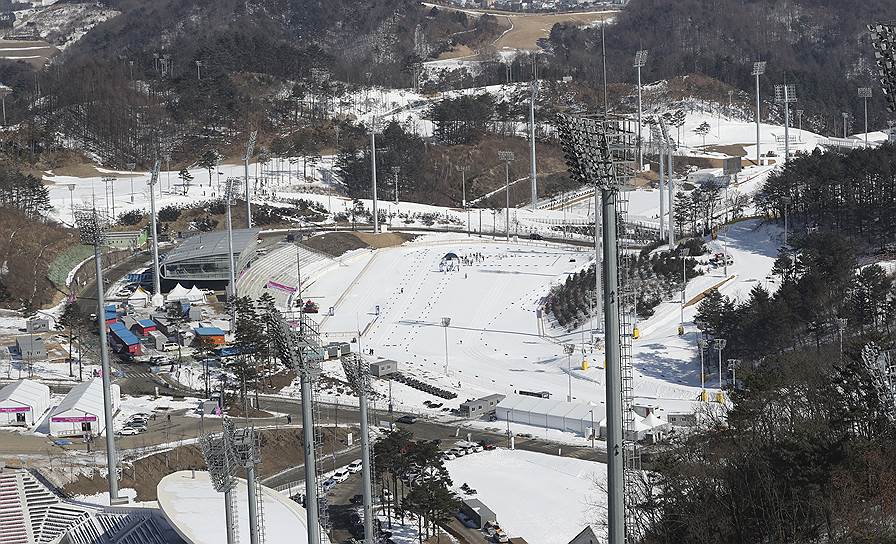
x=128 y=431
x=448 y=456
x=458 y=451
x=487 y=446
x=169 y=346
x=357 y=499
x=407 y=419
x=328 y=484
x=354 y=467
x=387 y=495
x=340 y=475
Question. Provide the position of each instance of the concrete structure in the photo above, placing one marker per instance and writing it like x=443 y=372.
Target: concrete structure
x=124 y=341
x=550 y=414
x=213 y=335
x=383 y=367
x=38 y=324
x=476 y=408
x=196 y=511
x=335 y=350
x=131 y=239
x=81 y=411
x=23 y=402
x=31 y=348
x=203 y=258
x=477 y=512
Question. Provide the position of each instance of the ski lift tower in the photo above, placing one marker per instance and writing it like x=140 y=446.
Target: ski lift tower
x=602 y=150
x=93 y=226
x=356 y=371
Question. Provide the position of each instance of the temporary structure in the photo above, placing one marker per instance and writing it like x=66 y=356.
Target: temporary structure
x=23 y=402
x=195 y=295
x=178 y=293
x=81 y=411
x=551 y=414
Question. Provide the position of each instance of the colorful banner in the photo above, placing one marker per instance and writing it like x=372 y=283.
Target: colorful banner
x=15 y=410
x=79 y=419
x=281 y=287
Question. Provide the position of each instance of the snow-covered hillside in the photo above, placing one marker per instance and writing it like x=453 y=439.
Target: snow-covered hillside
x=63 y=24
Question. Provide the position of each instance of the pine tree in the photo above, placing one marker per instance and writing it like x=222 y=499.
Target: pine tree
x=185 y=178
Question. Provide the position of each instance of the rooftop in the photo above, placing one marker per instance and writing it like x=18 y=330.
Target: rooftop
x=209 y=331
x=207 y=244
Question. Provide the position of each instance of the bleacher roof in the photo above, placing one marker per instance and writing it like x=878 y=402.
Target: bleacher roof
x=212 y=243
x=123 y=334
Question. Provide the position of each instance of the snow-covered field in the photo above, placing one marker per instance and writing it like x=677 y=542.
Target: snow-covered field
x=539 y=497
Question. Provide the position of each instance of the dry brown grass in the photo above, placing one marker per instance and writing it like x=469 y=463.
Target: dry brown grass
x=528 y=29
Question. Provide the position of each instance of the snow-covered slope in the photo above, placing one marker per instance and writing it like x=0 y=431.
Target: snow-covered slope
x=63 y=24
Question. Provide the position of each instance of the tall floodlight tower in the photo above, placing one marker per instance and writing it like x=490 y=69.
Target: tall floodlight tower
x=356 y=372
x=446 y=322
x=231 y=187
x=507 y=157
x=222 y=463
x=601 y=151
x=758 y=70
x=534 y=95
x=246 y=446
x=92 y=226
x=865 y=93
x=658 y=142
x=883 y=37
x=670 y=146
x=157 y=299
x=250 y=148
x=298 y=346
x=640 y=62
x=786 y=94
x=376 y=215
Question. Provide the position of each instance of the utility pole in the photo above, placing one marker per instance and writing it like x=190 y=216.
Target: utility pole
x=507 y=157
x=131 y=166
x=845 y=122
x=4 y=92
x=198 y=73
x=446 y=322
x=231 y=186
x=640 y=62
x=358 y=376
x=569 y=349
x=758 y=70
x=395 y=171
x=532 y=174
x=683 y=252
x=720 y=345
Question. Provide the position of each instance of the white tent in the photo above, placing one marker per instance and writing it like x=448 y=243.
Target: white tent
x=178 y=293
x=81 y=411
x=551 y=414
x=195 y=295
x=139 y=298
x=23 y=402
x=655 y=423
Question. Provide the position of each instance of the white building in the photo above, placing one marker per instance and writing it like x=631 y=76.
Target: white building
x=550 y=414
x=23 y=403
x=81 y=411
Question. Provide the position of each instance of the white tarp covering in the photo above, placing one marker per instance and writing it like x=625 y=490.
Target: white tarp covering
x=139 y=298
x=81 y=411
x=23 y=402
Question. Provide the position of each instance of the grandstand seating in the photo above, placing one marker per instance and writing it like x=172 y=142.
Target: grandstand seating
x=32 y=514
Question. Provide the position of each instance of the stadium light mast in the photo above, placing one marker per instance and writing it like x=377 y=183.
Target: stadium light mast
x=358 y=376
x=600 y=151
x=220 y=458
x=640 y=62
x=720 y=344
x=250 y=147
x=786 y=94
x=865 y=93
x=93 y=226
x=507 y=157
x=446 y=322
x=157 y=299
x=532 y=173
x=376 y=215
x=758 y=70
x=230 y=188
